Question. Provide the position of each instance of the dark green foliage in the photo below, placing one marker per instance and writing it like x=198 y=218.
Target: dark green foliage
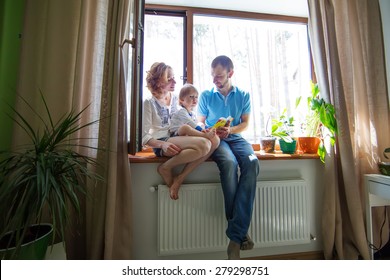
x=48 y=175
x=387 y=150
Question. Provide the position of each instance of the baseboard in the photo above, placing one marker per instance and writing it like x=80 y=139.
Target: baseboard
x=315 y=255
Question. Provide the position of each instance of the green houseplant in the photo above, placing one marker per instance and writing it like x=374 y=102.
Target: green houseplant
x=45 y=176
x=311 y=139
x=321 y=120
x=283 y=128
x=384 y=166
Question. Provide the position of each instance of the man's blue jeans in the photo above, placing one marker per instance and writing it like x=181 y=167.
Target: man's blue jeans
x=239 y=191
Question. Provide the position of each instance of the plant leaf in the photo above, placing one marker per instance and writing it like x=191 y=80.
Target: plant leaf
x=47 y=174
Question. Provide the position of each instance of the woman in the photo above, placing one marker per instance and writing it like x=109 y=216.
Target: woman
x=157 y=111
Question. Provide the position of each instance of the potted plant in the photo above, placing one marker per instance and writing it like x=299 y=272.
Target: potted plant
x=267 y=143
x=309 y=143
x=45 y=175
x=320 y=124
x=384 y=166
x=283 y=129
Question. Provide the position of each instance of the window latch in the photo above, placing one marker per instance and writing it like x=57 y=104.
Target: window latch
x=128 y=41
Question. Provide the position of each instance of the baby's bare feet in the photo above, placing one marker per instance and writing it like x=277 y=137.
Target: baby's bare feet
x=166 y=174
x=174 y=192
x=176 y=184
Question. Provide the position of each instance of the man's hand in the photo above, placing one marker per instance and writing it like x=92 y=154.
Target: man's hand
x=223 y=132
x=170 y=149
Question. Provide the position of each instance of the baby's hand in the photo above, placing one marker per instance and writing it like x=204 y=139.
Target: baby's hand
x=210 y=133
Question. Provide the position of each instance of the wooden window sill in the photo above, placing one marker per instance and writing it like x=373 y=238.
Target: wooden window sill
x=147 y=156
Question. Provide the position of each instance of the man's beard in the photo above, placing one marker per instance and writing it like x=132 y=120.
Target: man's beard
x=224 y=84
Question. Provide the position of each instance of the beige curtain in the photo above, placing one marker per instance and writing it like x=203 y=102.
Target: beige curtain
x=347 y=45
x=71 y=52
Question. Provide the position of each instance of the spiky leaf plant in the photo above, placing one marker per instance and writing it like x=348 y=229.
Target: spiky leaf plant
x=46 y=174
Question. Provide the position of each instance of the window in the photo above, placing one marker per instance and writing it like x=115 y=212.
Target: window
x=271 y=62
x=271 y=56
x=164 y=42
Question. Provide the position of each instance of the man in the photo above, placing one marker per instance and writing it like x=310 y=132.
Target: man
x=234 y=151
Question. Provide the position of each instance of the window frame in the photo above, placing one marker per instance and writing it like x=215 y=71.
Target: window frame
x=189 y=13
x=175 y=13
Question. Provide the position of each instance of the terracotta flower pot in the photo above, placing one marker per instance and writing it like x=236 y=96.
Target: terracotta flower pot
x=308 y=145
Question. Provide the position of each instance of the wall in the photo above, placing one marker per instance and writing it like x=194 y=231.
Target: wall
x=11 y=21
x=145 y=210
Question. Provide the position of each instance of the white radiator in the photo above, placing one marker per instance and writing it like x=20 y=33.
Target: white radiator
x=196 y=221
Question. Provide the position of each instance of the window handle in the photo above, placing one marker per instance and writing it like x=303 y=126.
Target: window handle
x=128 y=41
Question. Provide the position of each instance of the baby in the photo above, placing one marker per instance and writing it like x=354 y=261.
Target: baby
x=183 y=122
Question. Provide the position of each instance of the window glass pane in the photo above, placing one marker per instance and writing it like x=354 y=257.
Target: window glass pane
x=164 y=42
x=271 y=61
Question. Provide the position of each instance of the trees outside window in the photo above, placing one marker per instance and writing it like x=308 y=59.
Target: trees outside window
x=271 y=57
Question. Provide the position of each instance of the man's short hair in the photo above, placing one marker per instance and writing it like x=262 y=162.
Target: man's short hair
x=224 y=61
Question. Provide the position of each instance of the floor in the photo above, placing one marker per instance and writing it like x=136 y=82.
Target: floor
x=317 y=255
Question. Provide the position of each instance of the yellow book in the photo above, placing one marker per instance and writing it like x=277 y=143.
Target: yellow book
x=223 y=122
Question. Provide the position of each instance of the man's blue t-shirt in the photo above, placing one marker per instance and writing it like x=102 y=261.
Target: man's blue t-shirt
x=214 y=105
